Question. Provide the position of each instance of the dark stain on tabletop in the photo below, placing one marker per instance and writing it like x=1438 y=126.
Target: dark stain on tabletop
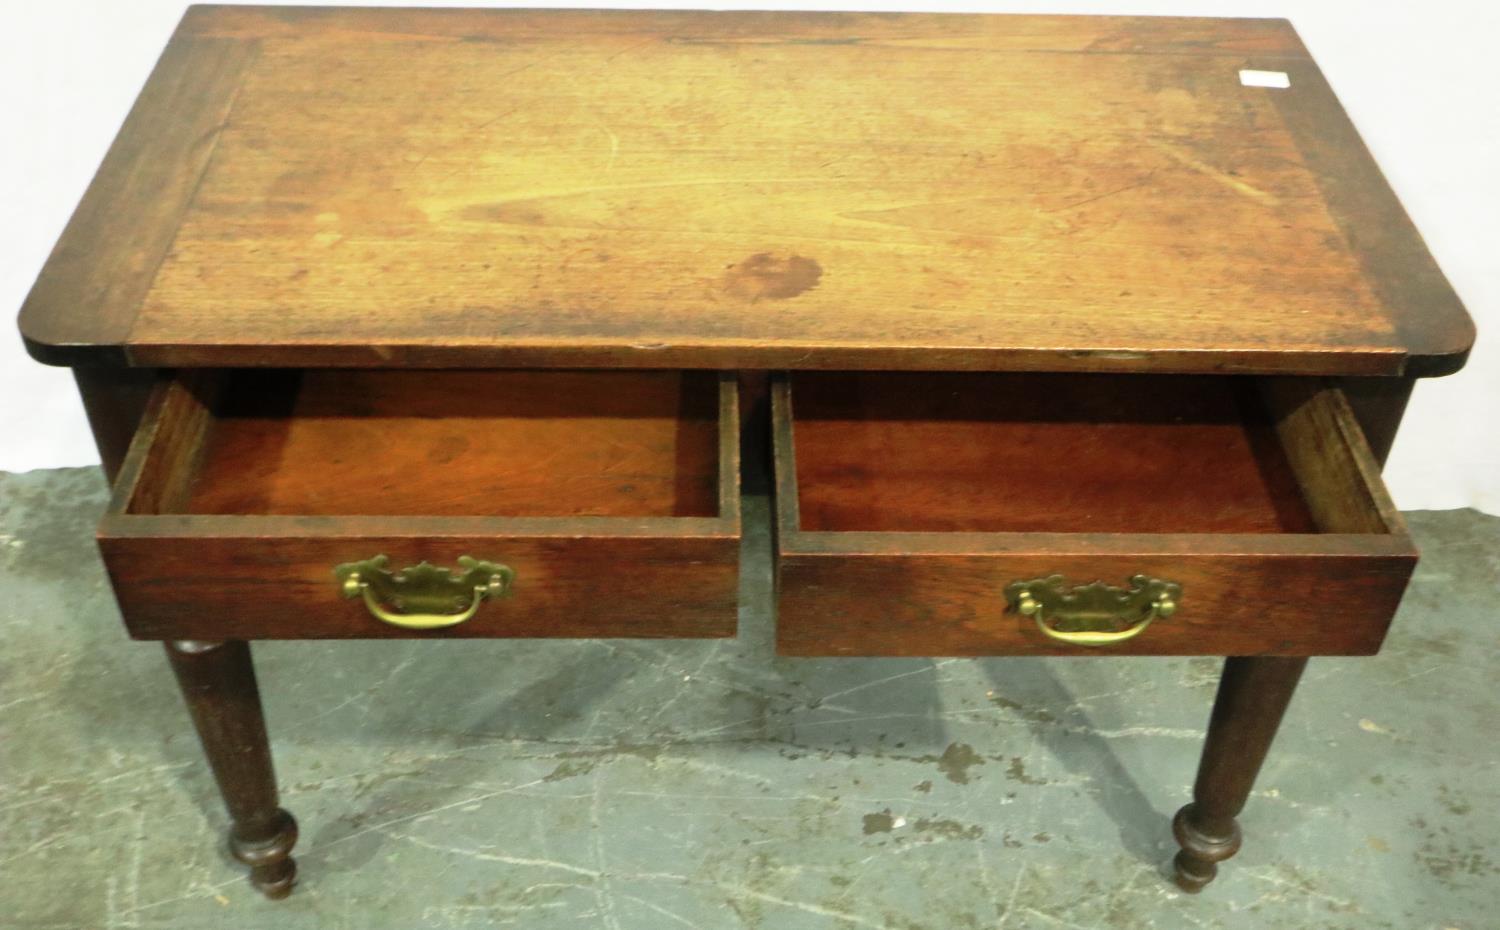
x=509 y=213
x=769 y=276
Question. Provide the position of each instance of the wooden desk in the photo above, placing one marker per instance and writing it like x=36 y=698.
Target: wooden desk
x=1082 y=343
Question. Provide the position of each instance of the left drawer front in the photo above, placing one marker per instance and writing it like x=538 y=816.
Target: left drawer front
x=606 y=504
x=227 y=587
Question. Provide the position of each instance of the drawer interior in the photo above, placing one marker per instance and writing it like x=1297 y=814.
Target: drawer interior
x=436 y=443
x=1023 y=453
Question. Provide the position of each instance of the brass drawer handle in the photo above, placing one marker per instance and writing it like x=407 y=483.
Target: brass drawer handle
x=425 y=597
x=1094 y=614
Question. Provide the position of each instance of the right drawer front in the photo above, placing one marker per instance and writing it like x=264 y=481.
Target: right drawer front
x=1238 y=603
x=1279 y=539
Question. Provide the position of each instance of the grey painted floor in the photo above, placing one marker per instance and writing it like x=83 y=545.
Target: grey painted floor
x=632 y=784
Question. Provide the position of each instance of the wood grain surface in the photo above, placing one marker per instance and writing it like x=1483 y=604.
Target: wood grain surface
x=1283 y=538
x=615 y=519
x=1039 y=453
x=441 y=188
x=500 y=443
x=272 y=578
x=86 y=298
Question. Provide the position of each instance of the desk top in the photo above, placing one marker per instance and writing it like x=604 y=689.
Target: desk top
x=385 y=187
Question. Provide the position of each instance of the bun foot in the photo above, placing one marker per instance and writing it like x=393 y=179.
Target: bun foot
x=1198 y=862
x=268 y=853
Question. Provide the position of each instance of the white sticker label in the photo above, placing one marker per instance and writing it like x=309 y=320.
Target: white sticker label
x=1251 y=78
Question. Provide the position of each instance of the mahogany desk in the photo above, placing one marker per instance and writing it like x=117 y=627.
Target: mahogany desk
x=1083 y=341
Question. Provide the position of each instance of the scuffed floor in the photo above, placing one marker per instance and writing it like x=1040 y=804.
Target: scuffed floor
x=642 y=784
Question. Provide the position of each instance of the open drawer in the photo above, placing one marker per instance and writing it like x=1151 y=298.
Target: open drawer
x=258 y=504
x=1000 y=514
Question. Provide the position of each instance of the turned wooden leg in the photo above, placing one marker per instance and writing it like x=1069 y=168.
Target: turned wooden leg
x=1253 y=695
x=218 y=683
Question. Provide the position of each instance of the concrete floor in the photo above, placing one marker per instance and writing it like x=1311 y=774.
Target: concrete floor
x=636 y=784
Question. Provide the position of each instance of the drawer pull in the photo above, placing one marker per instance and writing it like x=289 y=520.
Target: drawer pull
x=1094 y=614
x=425 y=597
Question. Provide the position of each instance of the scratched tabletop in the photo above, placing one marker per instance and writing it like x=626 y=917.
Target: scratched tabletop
x=756 y=190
